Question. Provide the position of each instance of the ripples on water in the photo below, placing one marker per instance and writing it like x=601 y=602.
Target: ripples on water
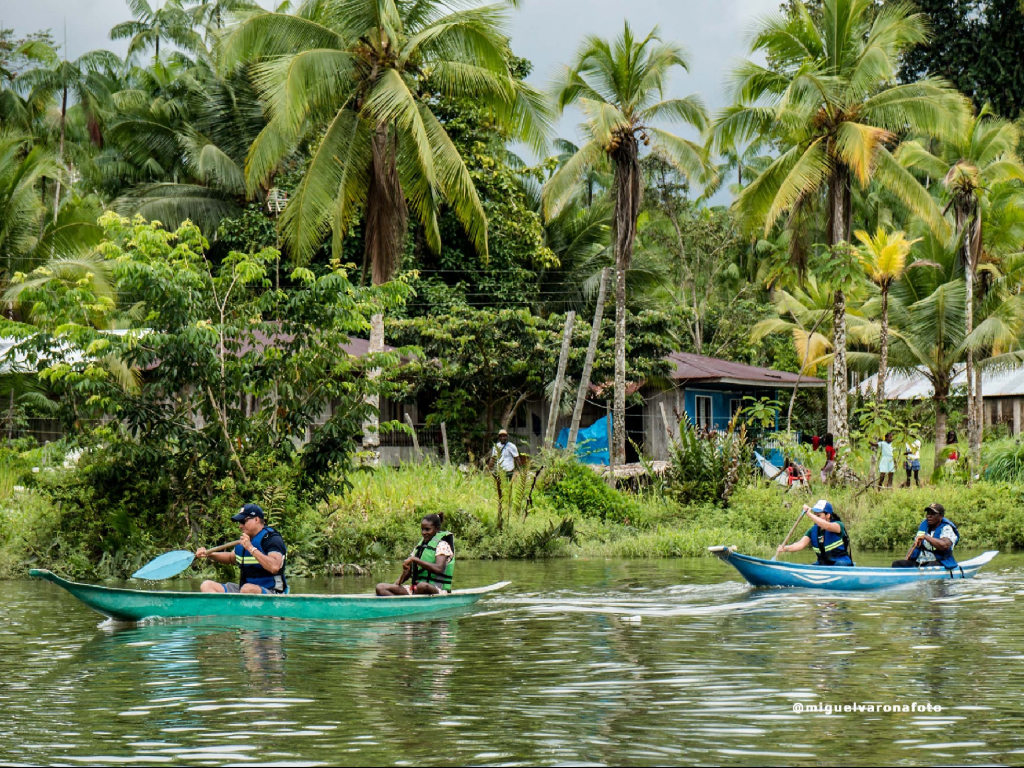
x=578 y=662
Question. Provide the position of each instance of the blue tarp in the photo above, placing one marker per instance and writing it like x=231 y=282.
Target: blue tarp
x=591 y=442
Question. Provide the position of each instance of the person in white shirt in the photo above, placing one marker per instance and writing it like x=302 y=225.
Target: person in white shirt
x=506 y=454
x=912 y=461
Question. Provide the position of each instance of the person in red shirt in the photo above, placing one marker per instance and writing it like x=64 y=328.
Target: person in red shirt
x=830 y=457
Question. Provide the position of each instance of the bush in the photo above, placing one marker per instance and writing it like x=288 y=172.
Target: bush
x=706 y=468
x=569 y=486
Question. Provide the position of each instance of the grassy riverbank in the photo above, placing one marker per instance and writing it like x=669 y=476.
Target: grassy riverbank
x=64 y=522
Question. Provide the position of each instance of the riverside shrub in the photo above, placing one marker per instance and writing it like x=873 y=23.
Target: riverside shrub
x=571 y=486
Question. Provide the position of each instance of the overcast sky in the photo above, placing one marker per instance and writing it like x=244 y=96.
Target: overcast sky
x=547 y=32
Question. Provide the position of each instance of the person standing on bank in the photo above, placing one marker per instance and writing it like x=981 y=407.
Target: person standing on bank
x=933 y=545
x=830 y=457
x=827 y=537
x=886 y=463
x=260 y=555
x=912 y=461
x=506 y=454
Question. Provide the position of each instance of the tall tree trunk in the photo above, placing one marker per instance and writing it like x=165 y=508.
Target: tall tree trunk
x=840 y=425
x=979 y=410
x=940 y=429
x=839 y=199
x=384 y=237
x=883 y=351
x=157 y=53
x=60 y=148
x=970 y=219
x=627 y=210
x=588 y=364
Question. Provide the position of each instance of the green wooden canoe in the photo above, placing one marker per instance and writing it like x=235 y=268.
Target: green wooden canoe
x=138 y=604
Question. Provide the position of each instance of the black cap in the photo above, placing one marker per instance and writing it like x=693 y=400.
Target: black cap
x=249 y=510
x=937 y=508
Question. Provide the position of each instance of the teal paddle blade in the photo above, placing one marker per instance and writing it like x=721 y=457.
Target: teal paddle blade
x=165 y=566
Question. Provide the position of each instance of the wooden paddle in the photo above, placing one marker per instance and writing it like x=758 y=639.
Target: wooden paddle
x=786 y=540
x=173 y=563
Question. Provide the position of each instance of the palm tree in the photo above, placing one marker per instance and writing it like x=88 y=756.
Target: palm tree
x=79 y=82
x=927 y=326
x=973 y=163
x=620 y=87
x=171 y=22
x=22 y=166
x=828 y=99
x=367 y=70
x=884 y=258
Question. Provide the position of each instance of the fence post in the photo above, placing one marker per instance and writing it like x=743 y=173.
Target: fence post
x=581 y=395
x=415 y=439
x=556 y=394
x=444 y=441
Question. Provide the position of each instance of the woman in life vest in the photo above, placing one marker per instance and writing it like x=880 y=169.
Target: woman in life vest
x=827 y=537
x=934 y=542
x=430 y=567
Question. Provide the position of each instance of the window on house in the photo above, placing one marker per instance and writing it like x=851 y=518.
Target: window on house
x=704 y=417
x=735 y=406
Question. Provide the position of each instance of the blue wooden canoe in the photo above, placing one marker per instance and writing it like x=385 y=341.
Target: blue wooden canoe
x=138 y=604
x=770 y=573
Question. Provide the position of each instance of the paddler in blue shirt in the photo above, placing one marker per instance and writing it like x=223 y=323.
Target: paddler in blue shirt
x=827 y=537
x=260 y=555
x=933 y=545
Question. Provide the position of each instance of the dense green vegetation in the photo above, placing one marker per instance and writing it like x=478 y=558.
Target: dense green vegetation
x=191 y=235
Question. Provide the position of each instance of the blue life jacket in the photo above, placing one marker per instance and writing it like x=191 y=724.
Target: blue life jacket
x=945 y=559
x=251 y=572
x=831 y=548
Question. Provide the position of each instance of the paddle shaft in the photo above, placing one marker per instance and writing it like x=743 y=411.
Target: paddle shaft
x=224 y=547
x=786 y=540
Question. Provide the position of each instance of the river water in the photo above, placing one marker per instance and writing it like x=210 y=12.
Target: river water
x=579 y=661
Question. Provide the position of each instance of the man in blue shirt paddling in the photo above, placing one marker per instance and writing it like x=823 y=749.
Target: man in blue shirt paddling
x=827 y=537
x=260 y=555
x=933 y=545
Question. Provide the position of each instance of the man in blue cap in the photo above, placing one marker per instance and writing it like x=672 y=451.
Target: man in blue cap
x=260 y=555
x=827 y=537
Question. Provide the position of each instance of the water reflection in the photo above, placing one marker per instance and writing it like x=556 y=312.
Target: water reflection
x=621 y=663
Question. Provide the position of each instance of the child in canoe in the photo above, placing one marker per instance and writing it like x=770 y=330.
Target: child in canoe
x=430 y=566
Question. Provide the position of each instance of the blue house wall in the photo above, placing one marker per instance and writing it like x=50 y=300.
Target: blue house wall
x=722 y=398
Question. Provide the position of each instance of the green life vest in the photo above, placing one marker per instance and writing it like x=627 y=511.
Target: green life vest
x=427 y=552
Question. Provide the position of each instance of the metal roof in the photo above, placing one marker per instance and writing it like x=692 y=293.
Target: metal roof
x=690 y=367
x=1000 y=382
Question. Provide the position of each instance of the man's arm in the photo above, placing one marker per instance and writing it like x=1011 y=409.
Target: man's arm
x=225 y=558
x=272 y=562
x=941 y=545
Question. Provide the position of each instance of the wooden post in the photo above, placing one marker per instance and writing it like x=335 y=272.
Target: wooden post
x=611 y=453
x=1016 y=416
x=444 y=442
x=556 y=393
x=588 y=365
x=415 y=439
x=665 y=421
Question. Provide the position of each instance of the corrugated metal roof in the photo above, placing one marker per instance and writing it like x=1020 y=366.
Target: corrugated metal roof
x=691 y=367
x=1001 y=382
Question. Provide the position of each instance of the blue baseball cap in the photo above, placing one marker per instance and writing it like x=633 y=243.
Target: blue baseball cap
x=249 y=510
x=823 y=506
